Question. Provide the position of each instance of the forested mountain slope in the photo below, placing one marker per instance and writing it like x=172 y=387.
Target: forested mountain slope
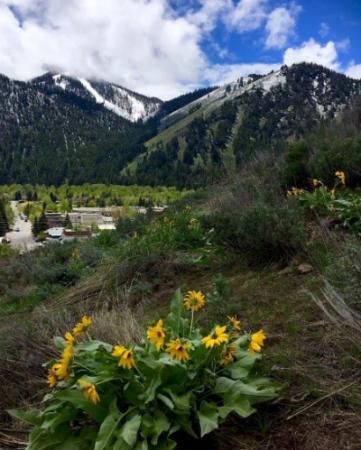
x=222 y=129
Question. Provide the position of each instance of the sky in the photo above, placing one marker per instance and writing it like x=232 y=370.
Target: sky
x=164 y=48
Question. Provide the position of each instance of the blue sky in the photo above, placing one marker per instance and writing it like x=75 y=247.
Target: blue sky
x=329 y=20
x=167 y=47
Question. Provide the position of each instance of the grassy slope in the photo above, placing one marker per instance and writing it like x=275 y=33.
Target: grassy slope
x=320 y=406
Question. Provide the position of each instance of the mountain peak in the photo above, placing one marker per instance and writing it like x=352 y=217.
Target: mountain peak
x=117 y=99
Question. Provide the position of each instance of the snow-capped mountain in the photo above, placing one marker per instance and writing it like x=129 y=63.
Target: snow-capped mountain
x=117 y=99
x=235 y=121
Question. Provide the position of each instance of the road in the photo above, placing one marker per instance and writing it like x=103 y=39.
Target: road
x=22 y=240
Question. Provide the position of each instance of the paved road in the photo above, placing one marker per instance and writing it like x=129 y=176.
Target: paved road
x=23 y=239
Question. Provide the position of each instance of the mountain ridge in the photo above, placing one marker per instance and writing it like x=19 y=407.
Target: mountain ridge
x=56 y=128
x=238 y=119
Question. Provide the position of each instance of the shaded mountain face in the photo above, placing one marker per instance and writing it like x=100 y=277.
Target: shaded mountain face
x=198 y=142
x=52 y=135
x=114 y=98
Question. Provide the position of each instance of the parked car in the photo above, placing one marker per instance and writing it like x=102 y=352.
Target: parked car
x=17 y=229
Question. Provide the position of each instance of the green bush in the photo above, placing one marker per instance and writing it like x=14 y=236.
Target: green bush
x=263 y=233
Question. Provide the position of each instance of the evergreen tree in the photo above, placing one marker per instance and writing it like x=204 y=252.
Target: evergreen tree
x=42 y=222
x=4 y=223
x=67 y=222
x=35 y=228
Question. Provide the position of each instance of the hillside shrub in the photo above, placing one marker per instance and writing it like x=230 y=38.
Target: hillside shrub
x=263 y=233
x=140 y=396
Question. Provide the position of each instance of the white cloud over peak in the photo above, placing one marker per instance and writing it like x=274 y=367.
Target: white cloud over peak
x=138 y=43
x=354 y=70
x=281 y=24
x=147 y=45
x=312 y=51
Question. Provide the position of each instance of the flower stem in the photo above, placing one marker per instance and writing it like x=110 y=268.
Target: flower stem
x=191 y=327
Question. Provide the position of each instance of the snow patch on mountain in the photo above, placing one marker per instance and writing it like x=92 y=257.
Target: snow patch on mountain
x=123 y=103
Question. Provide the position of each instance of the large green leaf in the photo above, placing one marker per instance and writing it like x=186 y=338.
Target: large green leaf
x=166 y=400
x=92 y=346
x=173 y=321
x=154 y=425
x=52 y=420
x=129 y=430
x=75 y=397
x=240 y=406
x=232 y=390
x=33 y=417
x=181 y=402
x=108 y=427
x=208 y=417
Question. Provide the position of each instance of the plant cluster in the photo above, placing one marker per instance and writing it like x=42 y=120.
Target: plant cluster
x=339 y=204
x=143 y=396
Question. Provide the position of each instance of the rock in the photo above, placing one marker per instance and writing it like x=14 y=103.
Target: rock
x=304 y=268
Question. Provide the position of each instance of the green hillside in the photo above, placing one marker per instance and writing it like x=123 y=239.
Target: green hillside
x=269 y=350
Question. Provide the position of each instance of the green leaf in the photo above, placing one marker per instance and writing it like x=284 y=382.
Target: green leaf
x=166 y=400
x=173 y=321
x=237 y=370
x=154 y=426
x=130 y=429
x=240 y=406
x=208 y=417
x=181 y=402
x=59 y=343
x=33 y=417
x=75 y=397
x=52 y=420
x=92 y=346
x=108 y=427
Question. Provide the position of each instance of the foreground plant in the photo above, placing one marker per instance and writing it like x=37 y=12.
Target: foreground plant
x=137 y=397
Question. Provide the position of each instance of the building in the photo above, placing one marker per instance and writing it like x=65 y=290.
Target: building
x=70 y=235
x=81 y=219
x=54 y=219
x=106 y=226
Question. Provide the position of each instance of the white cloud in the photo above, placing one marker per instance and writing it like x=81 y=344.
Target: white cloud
x=354 y=70
x=324 y=29
x=312 y=51
x=280 y=26
x=247 y=15
x=138 y=43
x=219 y=74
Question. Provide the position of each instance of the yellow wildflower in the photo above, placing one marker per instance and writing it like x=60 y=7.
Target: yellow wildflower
x=156 y=335
x=118 y=351
x=69 y=338
x=179 y=349
x=341 y=176
x=257 y=339
x=61 y=368
x=82 y=326
x=235 y=323
x=316 y=182
x=218 y=337
x=89 y=391
x=228 y=354
x=294 y=192
x=127 y=360
x=194 y=300
x=52 y=378
x=192 y=224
